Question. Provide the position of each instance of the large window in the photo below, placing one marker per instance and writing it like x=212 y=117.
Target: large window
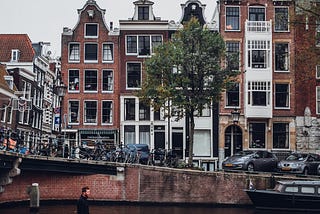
x=232 y=95
x=281 y=19
x=257 y=135
x=258 y=54
x=90 y=112
x=74 y=52
x=107 y=52
x=142 y=45
x=232 y=50
x=281 y=136
x=107 y=112
x=259 y=93
x=282 y=57
x=143 y=13
x=144 y=135
x=144 y=111
x=129 y=135
x=107 y=80
x=73 y=80
x=91 y=30
x=90 y=80
x=282 y=95
x=232 y=18
x=133 y=75
x=129 y=109
x=257 y=14
x=91 y=52
x=73 y=111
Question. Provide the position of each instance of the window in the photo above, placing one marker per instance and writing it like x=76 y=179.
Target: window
x=232 y=18
x=132 y=44
x=15 y=55
x=90 y=80
x=144 y=135
x=90 y=111
x=257 y=135
x=142 y=45
x=106 y=112
x=291 y=189
x=259 y=93
x=282 y=96
x=73 y=80
x=258 y=54
x=129 y=111
x=308 y=190
x=257 y=14
x=232 y=49
x=133 y=75
x=281 y=56
x=91 y=30
x=318 y=99
x=129 y=135
x=318 y=71
x=9 y=80
x=74 y=52
x=107 y=52
x=281 y=136
x=74 y=111
x=144 y=111
x=232 y=95
x=143 y=13
x=281 y=19
x=107 y=80
x=91 y=52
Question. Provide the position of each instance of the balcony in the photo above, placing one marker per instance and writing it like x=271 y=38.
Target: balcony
x=258 y=27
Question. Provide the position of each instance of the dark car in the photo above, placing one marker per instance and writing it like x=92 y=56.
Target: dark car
x=300 y=163
x=251 y=160
x=142 y=151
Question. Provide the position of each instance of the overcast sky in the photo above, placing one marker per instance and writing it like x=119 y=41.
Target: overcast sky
x=43 y=20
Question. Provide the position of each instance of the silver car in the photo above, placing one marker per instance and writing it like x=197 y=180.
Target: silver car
x=300 y=163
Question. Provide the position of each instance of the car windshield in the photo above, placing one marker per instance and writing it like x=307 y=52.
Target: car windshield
x=243 y=153
x=295 y=156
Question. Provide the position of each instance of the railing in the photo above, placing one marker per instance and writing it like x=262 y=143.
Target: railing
x=258 y=26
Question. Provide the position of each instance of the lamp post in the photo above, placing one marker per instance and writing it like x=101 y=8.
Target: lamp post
x=60 y=91
x=235 y=114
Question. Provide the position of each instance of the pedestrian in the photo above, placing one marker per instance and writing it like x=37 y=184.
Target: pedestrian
x=82 y=205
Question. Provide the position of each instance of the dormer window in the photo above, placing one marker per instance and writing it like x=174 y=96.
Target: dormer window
x=143 y=13
x=9 y=80
x=91 y=30
x=15 y=54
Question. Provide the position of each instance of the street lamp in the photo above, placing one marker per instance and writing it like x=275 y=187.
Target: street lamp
x=60 y=91
x=235 y=114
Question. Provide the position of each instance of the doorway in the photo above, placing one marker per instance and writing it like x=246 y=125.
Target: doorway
x=233 y=140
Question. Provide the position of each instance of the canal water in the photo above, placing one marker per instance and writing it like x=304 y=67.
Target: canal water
x=121 y=209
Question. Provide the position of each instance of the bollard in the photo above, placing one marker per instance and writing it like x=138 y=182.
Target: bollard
x=34 y=194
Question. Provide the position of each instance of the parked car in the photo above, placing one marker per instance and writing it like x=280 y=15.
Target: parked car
x=143 y=152
x=251 y=160
x=300 y=163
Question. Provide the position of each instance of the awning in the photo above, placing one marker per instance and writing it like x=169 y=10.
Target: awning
x=96 y=132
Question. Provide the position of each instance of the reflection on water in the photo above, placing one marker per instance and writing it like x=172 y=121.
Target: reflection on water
x=107 y=209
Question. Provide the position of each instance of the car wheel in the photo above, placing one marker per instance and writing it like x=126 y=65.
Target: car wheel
x=306 y=171
x=250 y=167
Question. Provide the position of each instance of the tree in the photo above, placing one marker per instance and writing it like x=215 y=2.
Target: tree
x=185 y=75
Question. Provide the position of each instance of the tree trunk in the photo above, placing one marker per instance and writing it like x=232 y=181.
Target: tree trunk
x=191 y=135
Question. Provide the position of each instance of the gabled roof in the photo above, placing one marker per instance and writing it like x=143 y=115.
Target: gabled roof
x=21 y=42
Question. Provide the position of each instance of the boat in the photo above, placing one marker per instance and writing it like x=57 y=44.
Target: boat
x=293 y=195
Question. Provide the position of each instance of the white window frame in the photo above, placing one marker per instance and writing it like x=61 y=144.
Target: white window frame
x=108 y=54
x=259 y=86
x=85 y=30
x=110 y=81
x=77 y=60
x=275 y=96
x=287 y=60
x=15 y=55
x=275 y=20
x=75 y=82
x=69 y=112
x=97 y=51
x=133 y=88
x=84 y=81
x=151 y=45
x=226 y=24
x=111 y=112
x=85 y=113
x=259 y=45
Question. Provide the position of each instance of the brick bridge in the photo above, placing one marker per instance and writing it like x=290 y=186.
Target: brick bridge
x=62 y=179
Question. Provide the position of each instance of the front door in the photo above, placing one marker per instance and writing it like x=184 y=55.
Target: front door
x=233 y=140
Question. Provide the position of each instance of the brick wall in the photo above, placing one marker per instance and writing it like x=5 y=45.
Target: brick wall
x=139 y=184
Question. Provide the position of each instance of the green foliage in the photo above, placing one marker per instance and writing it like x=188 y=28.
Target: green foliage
x=187 y=71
